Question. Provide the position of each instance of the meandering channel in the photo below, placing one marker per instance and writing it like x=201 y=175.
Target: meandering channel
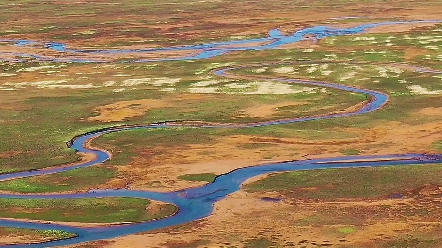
x=197 y=203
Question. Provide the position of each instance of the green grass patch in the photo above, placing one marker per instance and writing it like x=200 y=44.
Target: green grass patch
x=93 y=210
x=55 y=234
x=438 y=145
x=203 y=177
x=259 y=242
x=78 y=179
x=350 y=152
x=332 y=184
x=32 y=234
x=347 y=230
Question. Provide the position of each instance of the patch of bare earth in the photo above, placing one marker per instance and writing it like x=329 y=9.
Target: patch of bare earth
x=398 y=28
x=411 y=52
x=22 y=239
x=431 y=111
x=267 y=110
x=119 y=111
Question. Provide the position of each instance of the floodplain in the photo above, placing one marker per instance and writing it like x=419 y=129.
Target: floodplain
x=47 y=97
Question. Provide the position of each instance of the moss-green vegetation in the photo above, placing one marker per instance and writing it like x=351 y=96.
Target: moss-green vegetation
x=259 y=242
x=97 y=210
x=438 y=145
x=332 y=184
x=78 y=179
x=351 y=152
x=36 y=235
x=55 y=234
x=33 y=142
x=35 y=123
x=346 y=230
x=204 y=177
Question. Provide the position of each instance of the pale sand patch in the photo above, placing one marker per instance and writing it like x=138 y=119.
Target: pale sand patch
x=7 y=74
x=417 y=89
x=109 y=83
x=267 y=110
x=237 y=86
x=312 y=68
x=68 y=86
x=364 y=38
x=119 y=111
x=135 y=81
x=284 y=69
x=206 y=83
x=37 y=84
x=37 y=68
x=201 y=90
x=326 y=73
x=165 y=81
x=382 y=72
x=348 y=76
x=150 y=81
x=254 y=88
x=395 y=69
x=276 y=88
x=261 y=70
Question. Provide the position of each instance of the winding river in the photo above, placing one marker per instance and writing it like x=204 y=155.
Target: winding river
x=197 y=203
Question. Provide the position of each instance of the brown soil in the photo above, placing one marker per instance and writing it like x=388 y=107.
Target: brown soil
x=431 y=111
x=22 y=239
x=125 y=109
x=294 y=222
x=157 y=168
x=398 y=28
x=10 y=154
x=410 y=53
x=267 y=110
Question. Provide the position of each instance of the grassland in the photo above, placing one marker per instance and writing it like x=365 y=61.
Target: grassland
x=100 y=210
x=337 y=184
x=205 y=177
x=75 y=180
x=44 y=104
x=19 y=235
x=20 y=153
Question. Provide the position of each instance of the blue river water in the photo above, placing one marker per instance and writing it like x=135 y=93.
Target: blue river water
x=197 y=203
x=275 y=39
